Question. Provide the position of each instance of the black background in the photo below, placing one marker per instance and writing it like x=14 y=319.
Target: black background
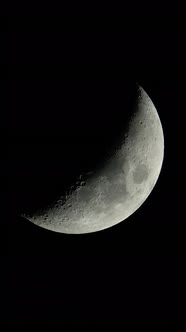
x=134 y=270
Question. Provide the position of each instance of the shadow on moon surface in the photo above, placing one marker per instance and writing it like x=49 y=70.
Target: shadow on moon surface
x=72 y=129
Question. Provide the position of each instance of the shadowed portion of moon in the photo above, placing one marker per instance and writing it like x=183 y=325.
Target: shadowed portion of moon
x=66 y=129
x=114 y=164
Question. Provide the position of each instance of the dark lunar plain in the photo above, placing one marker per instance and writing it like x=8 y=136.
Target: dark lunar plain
x=70 y=84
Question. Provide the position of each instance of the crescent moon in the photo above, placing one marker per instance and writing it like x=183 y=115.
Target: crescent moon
x=104 y=198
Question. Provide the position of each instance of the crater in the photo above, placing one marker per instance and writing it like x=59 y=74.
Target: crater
x=140 y=173
x=125 y=168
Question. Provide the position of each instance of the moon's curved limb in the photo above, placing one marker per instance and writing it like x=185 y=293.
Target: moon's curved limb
x=104 y=198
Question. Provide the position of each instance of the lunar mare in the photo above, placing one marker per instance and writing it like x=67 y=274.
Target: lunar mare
x=111 y=194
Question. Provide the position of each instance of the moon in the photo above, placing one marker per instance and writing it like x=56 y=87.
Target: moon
x=110 y=194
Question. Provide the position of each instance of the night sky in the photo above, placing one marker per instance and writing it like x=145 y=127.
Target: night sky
x=67 y=82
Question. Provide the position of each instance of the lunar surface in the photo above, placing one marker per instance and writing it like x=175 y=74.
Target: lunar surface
x=103 y=198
